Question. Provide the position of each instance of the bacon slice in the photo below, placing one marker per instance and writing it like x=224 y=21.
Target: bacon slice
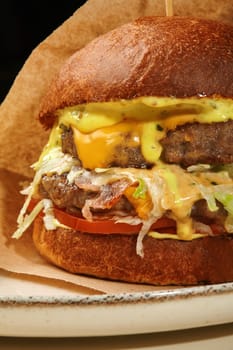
x=86 y=182
x=108 y=196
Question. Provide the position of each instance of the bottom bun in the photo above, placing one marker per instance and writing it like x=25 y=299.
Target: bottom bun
x=113 y=256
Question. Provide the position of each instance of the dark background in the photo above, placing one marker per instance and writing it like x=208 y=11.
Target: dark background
x=23 y=25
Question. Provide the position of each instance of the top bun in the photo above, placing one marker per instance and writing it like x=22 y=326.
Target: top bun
x=152 y=56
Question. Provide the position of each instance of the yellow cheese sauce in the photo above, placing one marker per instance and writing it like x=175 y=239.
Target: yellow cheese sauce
x=159 y=235
x=100 y=127
x=168 y=111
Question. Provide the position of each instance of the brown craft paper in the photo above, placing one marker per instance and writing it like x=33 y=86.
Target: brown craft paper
x=22 y=137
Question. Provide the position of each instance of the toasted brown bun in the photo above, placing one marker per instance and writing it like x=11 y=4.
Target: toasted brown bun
x=165 y=262
x=159 y=56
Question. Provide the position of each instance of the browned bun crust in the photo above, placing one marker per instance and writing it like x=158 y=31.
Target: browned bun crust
x=160 y=56
x=165 y=262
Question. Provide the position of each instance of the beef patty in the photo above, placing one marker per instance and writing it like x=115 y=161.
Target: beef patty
x=187 y=145
x=191 y=144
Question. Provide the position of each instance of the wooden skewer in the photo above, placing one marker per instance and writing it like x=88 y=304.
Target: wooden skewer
x=169 y=7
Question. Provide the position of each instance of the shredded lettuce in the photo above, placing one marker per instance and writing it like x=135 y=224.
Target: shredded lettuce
x=146 y=225
x=50 y=222
x=141 y=190
x=229 y=224
x=74 y=173
x=198 y=168
x=207 y=194
x=131 y=220
x=53 y=162
x=28 y=219
x=227 y=167
x=226 y=199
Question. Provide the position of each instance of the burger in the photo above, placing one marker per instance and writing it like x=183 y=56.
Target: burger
x=135 y=182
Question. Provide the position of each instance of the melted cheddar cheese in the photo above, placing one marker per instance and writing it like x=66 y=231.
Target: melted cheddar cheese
x=98 y=148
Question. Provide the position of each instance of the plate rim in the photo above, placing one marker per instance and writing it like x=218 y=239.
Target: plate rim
x=161 y=295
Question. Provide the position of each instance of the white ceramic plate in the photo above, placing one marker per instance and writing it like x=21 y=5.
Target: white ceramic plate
x=31 y=307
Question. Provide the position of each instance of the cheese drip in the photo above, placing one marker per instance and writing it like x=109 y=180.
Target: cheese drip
x=99 y=148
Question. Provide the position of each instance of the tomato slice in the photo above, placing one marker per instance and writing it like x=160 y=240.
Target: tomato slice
x=105 y=226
